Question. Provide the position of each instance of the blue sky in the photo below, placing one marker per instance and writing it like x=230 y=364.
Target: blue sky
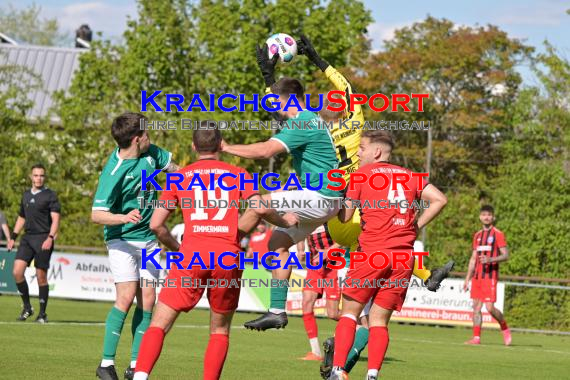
x=531 y=20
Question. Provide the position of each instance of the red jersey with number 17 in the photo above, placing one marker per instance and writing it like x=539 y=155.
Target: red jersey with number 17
x=208 y=229
x=487 y=243
x=385 y=226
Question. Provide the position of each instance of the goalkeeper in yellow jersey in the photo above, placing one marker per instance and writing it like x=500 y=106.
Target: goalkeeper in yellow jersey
x=347 y=142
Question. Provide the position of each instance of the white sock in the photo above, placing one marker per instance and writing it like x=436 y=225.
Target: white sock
x=315 y=347
x=133 y=364
x=140 y=376
x=107 y=362
x=276 y=311
x=373 y=372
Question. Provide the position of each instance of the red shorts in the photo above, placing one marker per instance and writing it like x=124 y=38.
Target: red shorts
x=184 y=297
x=484 y=290
x=323 y=273
x=389 y=294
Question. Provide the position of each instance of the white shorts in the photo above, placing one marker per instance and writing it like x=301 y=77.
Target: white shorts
x=125 y=260
x=311 y=208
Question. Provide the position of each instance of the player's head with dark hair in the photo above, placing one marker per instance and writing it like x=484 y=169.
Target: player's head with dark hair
x=375 y=145
x=128 y=129
x=487 y=215
x=284 y=88
x=328 y=115
x=207 y=138
x=38 y=175
x=38 y=166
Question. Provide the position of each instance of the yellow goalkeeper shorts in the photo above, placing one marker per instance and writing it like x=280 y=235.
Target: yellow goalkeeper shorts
x=345 y=234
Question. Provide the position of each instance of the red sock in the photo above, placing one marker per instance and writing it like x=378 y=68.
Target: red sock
x=343 y=340
x=311 y=325
x=150 y=348
x=503 y=325
x=215 y=356
x=377 y=346
x=477 y=331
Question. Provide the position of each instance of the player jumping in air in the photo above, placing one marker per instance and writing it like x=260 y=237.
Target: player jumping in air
x=346 y=143
x=319 y=241
x=489 y=249
x=387 y=230
x=127 y=232
x=207 y=230
x=313 y=153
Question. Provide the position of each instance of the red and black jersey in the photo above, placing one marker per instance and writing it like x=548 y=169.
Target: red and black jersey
x=320 y=240
x=487 y=243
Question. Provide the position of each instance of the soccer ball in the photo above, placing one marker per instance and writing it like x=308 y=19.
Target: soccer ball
x=282 y=44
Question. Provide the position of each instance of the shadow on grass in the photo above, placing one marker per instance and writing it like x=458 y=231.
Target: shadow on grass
x=386 y=360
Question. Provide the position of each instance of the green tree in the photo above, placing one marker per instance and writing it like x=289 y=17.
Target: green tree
x=469 y=73
x=26 y=25
x=176 y=46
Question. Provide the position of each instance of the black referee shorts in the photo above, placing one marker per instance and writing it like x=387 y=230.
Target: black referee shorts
x=31 y=249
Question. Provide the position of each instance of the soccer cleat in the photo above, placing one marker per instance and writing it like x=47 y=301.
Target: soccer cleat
x=267 y=321
x=129 y=373
x=507 y=337
x=474 y=340
x=42 y=318
x=26 y=313
x=438 y=275
x=327 y=364
x=371 y=377
x=338 y=374
x=107 y=373
x=312 y=357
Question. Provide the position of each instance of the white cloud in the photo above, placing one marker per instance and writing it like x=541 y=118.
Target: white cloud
x=379 y=33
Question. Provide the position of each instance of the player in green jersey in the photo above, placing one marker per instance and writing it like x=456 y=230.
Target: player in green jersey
x=116 y=206
x=313 y=152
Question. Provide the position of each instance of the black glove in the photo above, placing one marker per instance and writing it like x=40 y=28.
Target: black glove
x=266 y=65
x=305 y=47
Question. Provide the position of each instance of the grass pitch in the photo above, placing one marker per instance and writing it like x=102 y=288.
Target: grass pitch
x=69 y=347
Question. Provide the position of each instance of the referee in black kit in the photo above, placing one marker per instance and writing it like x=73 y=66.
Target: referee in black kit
x=39 y=216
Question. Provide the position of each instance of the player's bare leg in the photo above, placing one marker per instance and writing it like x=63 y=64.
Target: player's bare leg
x=333 y=311
x=126 y=292
x=276 y=317
x=477 y=321
x=151 y=346
x=146 y=296
x=496 y=313
x=18 y=273
x=309 y=299
x=344 y=335
x=218 y=344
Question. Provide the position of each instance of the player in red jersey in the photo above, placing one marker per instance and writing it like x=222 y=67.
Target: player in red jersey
x=319 y=241
x=259 y=240
x=489 y=249
x=206 y=229
x=387 y=230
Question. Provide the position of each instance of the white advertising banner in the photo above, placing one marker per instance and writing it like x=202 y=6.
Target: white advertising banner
x=88 y=277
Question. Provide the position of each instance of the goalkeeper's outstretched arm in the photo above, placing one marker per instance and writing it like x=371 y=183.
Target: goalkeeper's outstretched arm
x=338 y=80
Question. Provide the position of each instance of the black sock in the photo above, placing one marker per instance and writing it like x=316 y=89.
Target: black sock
x=24 y=293
x=44 y=293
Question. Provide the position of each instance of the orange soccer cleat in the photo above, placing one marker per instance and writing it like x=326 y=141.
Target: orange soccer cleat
x=312 y=357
